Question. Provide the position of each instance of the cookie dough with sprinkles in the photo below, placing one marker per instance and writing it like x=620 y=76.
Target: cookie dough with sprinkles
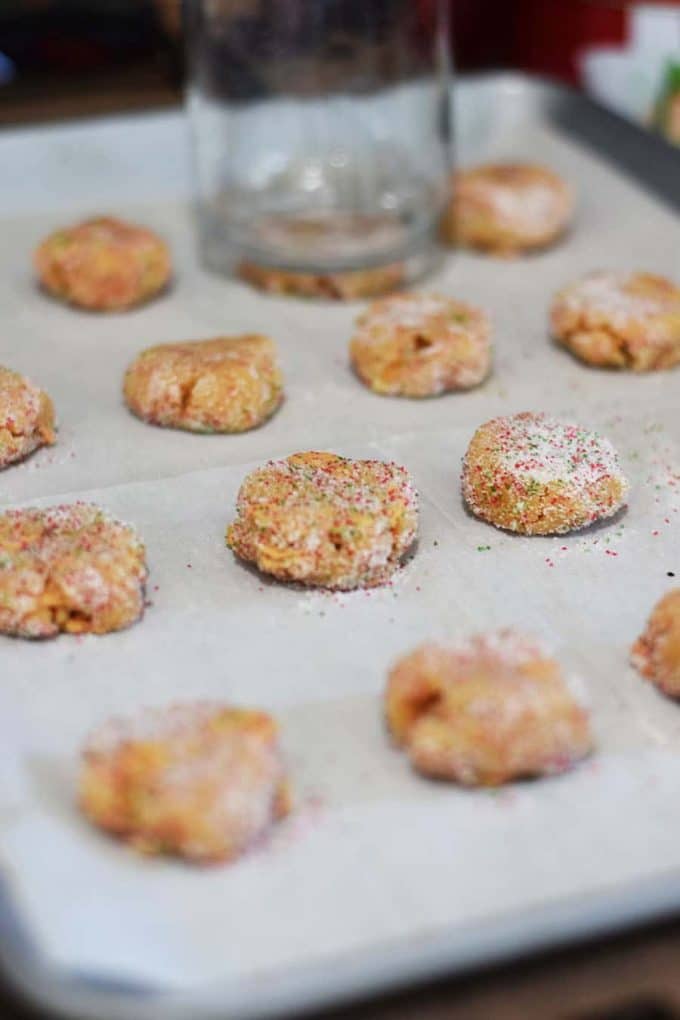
x=229 y=384
x=326 y=521
x=508 y=208
x=656 y=653
x=535 y=475
x=485 y=711
x=421 y=345
x=26 y=418
x=202 y=781
x=620 y=320
x=103 y=264
x=68 y=568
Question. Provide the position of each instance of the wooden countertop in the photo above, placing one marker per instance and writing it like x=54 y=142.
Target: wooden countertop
x=40 y=99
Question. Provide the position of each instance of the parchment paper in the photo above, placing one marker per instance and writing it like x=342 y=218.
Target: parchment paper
x=373 y=856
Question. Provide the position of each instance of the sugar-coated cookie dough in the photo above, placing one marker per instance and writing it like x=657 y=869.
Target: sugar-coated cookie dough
x=421 y=345
x=620 y=320
x=326 y=521
x=26 y=417
x=656 y=653
x=68 y=568
x=506 y=208
x=485 y=711
x=198 y=780
x=536 y=475
x=228 y=384
x=103 y=264
x=350 y=285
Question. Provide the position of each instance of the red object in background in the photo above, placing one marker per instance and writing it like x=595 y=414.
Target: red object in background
x=539 y=36
x=483 y=32
x=550 y=34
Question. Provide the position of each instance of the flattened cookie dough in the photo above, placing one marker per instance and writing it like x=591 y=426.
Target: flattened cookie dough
x=421 y=345
x=200 y=780
x=485 y=711
x=26 y=418
x=68 y=568
x=620 y=320
x=507 y=208
x=656 y=653
x=103 y=264
x=229 y=384
x=326 y=521
x=343 y=286
x=535 y=475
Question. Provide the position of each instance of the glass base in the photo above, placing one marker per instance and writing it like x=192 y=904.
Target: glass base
x=339 y=257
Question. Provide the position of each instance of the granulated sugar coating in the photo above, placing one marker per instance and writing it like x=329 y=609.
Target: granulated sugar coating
x=326 y=521
x=486 y=710
x=508 y=207
x=656 y=653
x=227 y=384
x=420 y=345
x=103 y=264
x=68 y=568
x=26 y=417
x=620 y=320
x=535 y=475
x=200 y=780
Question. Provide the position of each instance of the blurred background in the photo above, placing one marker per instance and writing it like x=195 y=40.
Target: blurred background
x=66 y=58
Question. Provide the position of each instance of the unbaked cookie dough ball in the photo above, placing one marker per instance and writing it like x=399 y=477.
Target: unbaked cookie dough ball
x=68 y=568
x=103 y=264
x=535 y=475
x=349 y=285
x=620 y=320
x=326 y=521
x=200 y=780
x=26 y=418
x=421 y=345
x=229 y=384
x=656 y=653
x=485 y=711
x=508 y=208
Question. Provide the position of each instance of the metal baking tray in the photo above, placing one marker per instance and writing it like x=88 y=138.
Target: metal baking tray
x=380 y=879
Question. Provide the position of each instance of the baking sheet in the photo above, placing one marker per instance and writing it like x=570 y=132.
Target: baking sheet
x=376 y=865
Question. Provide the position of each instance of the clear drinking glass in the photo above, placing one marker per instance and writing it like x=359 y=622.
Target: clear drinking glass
x=321 y=132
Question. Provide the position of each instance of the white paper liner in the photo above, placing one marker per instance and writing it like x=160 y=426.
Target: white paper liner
x=373 y=853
